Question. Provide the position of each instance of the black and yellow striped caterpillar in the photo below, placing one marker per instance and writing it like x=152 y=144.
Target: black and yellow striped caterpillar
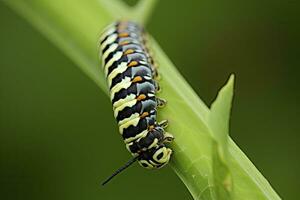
x=131 y=75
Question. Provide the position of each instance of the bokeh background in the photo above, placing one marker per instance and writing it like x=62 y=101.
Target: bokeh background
x=57 y=139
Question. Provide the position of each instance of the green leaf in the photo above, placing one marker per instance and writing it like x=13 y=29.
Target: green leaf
x=74 y=27
x=219 y=123
x=220 y=115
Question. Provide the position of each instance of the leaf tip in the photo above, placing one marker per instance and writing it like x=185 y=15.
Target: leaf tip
x=230 y=82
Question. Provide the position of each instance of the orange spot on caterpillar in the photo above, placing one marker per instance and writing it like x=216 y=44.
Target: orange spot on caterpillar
x=123 y=34
x=132 y=63
x=141 y=97
x=128 y=51
x=144 y=114
x=124 y=43
x=137 y=79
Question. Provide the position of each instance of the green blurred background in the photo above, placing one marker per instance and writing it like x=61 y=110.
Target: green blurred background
x=56 y=125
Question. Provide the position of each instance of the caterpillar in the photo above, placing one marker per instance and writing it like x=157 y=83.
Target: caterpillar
x=132 y=78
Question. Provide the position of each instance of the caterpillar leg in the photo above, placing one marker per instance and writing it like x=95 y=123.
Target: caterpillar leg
x=155 y=74
x=160 y=102
x=157 y=87
x=153 y=64
x=163 y=123
x=168 y=137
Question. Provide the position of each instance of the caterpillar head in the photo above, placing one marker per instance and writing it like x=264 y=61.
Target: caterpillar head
x=156 y=157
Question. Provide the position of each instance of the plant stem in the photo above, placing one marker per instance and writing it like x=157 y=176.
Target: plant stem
x=74 y=27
